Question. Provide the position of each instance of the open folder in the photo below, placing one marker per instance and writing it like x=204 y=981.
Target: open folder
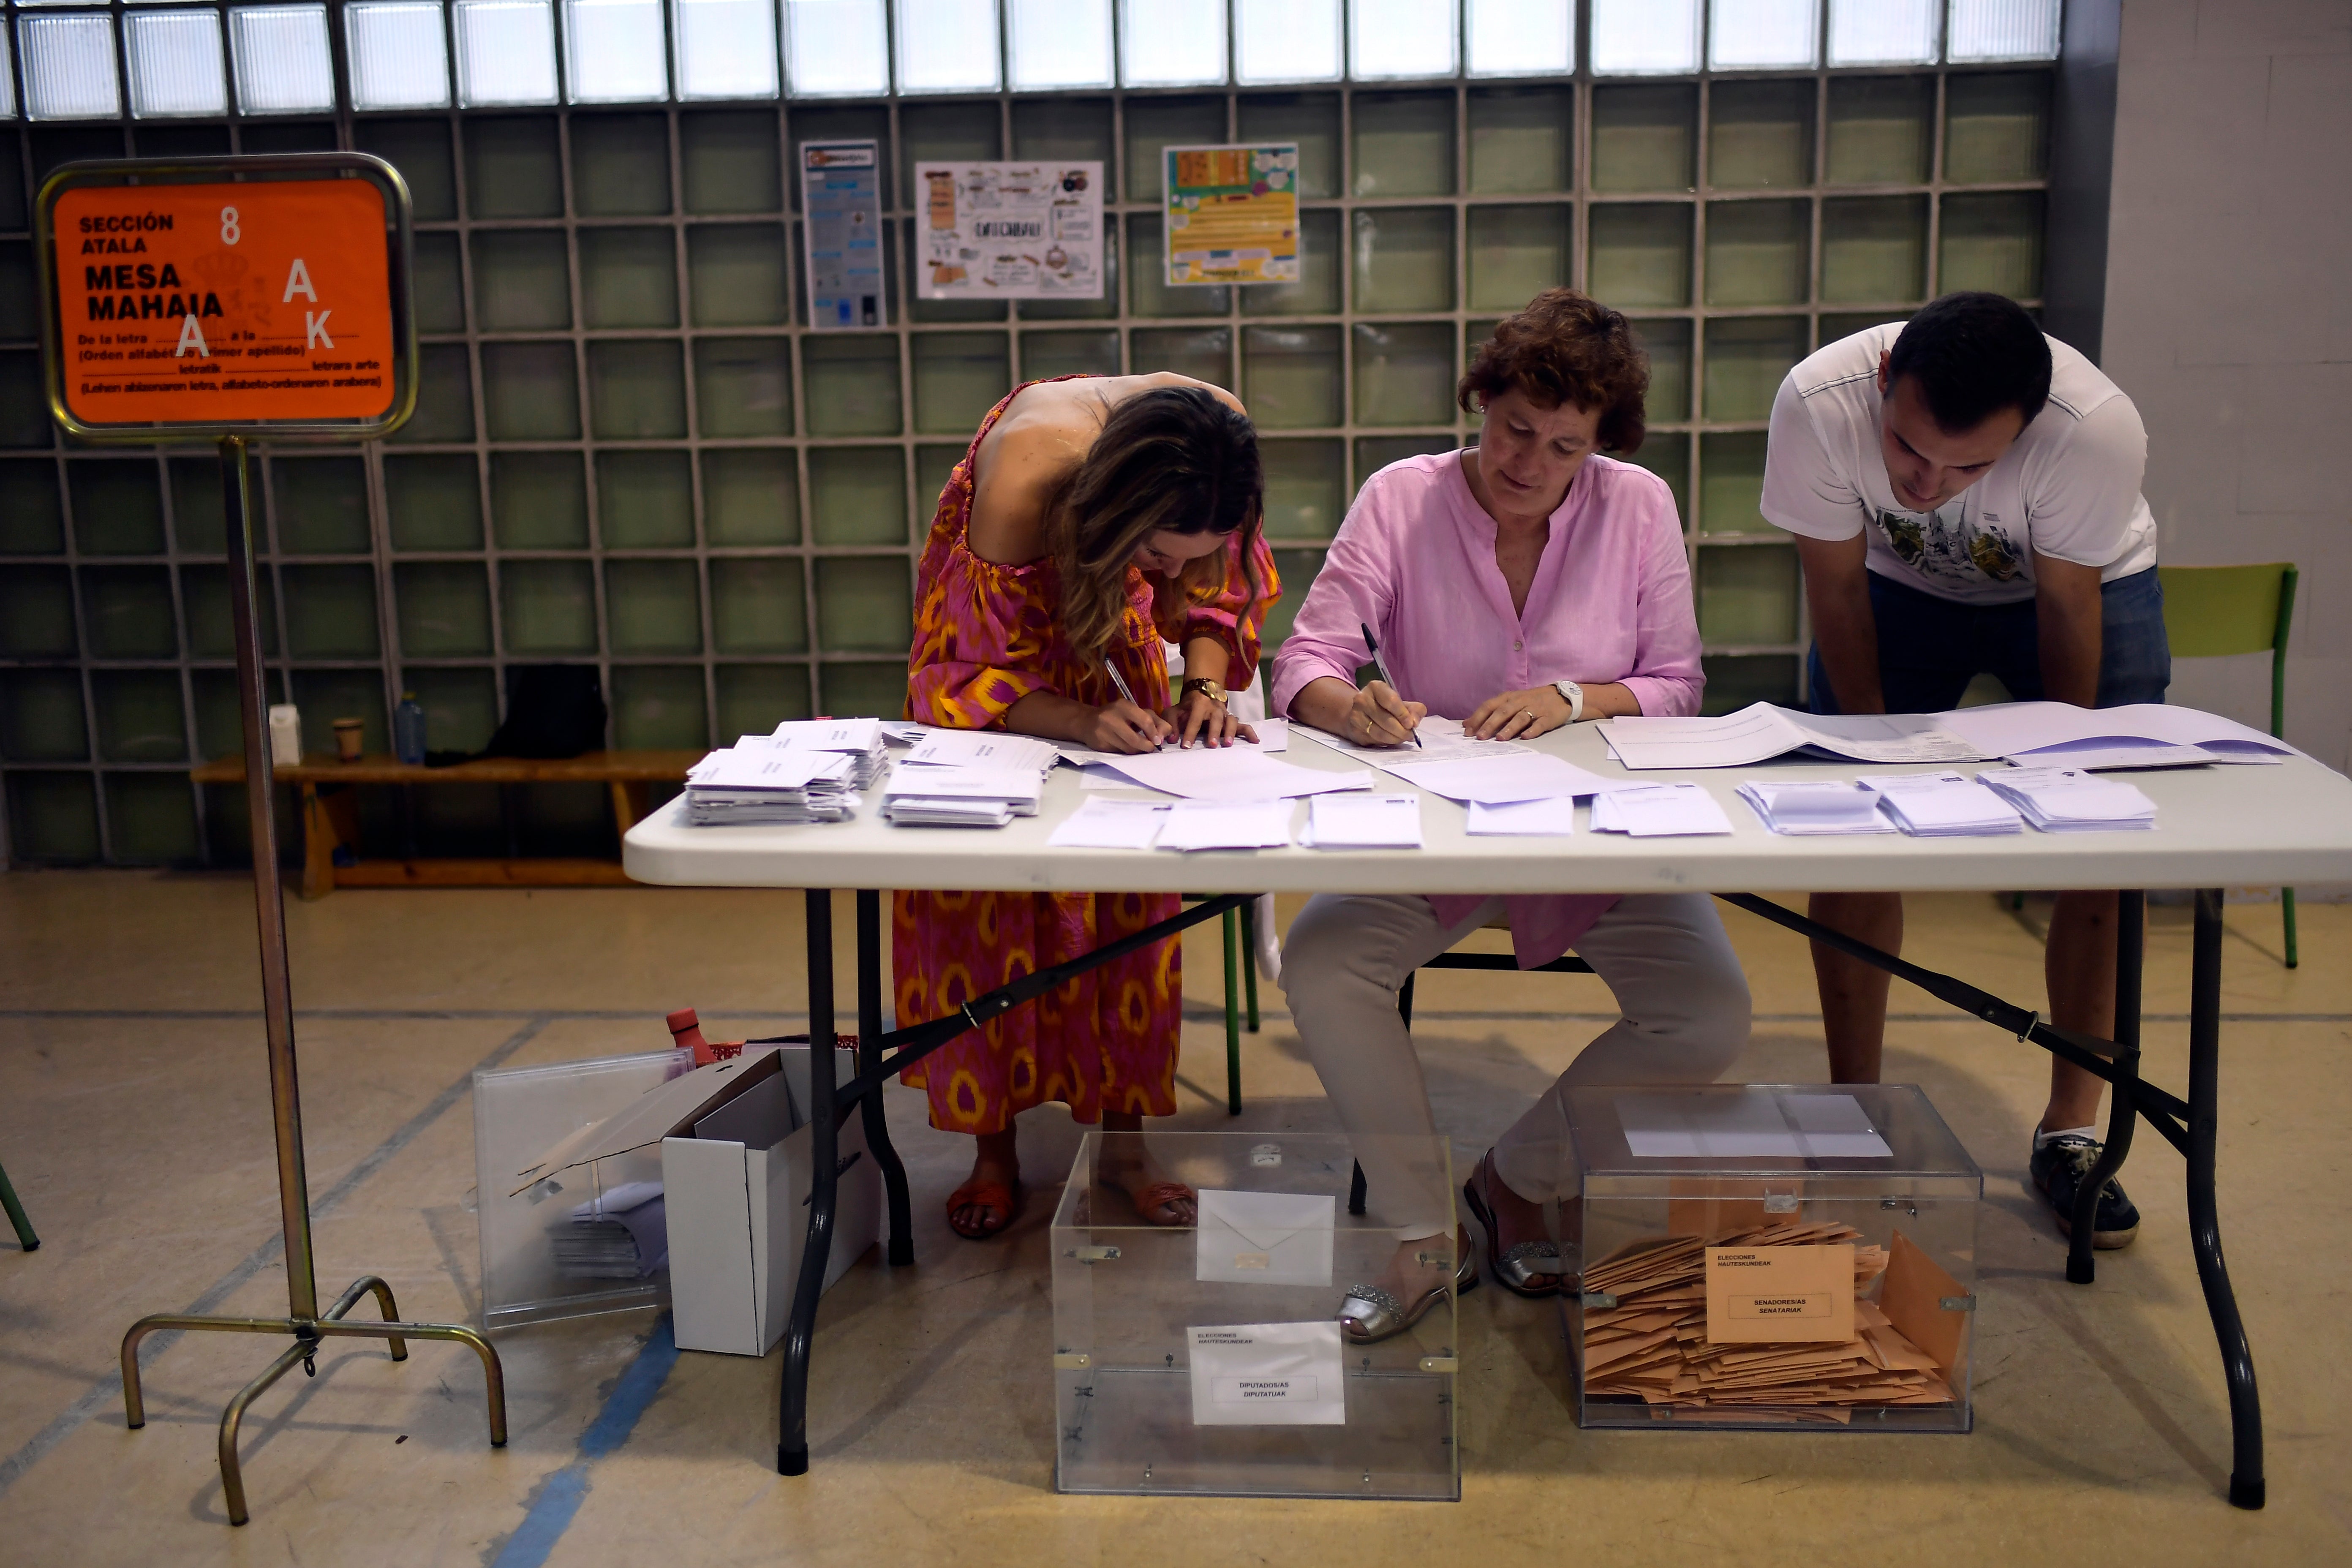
x=1761 y=732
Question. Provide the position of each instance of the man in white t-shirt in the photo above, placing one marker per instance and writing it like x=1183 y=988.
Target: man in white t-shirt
x=1964 y=494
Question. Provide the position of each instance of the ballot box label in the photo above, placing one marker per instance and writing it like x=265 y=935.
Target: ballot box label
x=1796 y=1295
x=1268 y=1375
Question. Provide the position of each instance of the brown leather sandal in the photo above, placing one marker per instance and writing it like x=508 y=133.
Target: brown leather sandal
x=984 y=1195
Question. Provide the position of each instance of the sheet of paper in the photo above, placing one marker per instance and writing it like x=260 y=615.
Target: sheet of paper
x=981 y=748
x=1498 y=781
x=1233 y=774
x=1781 y=1295
x=1363 y=822
x=1017 y=784
x=828 y=734
x=1105 y=824
x=1265 y=1238
x=766 y=768
x=2103 y=756
x=1268 y=1375
x=1441 y=740
x=1532 y=819
x=1814 y=808
x=1191 y=825
x=1273 y=735
x=1659 y=811
x=2006 y=729
x=1761 y=732
x=1665 y=1126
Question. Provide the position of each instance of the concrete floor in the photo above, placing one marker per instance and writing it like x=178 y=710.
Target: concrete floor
x=133 y=1119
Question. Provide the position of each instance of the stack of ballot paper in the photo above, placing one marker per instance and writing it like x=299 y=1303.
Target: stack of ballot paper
x=1675 y=1335
x=1226 y=825
x=1815 y=808
x=1760 y=731
x=754 y=782
x=623 y=1235
x=1662 y=810
x=860 y=740
x=1363 y=822
x=1942 y=805
x=2066 y=800
x=967 y=778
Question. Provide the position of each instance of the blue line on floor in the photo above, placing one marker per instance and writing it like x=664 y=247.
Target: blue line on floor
x=558 y=1498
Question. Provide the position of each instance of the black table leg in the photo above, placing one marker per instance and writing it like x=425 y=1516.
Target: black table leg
x=869 y=1059
x=2246 y=1485
x=2131 y=932
x=792 y=1424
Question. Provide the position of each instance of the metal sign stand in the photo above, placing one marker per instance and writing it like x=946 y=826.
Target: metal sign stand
x=303 y=1321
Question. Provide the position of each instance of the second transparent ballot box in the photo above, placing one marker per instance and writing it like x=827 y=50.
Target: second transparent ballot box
x=1209 y=1360
x=1770 y=1256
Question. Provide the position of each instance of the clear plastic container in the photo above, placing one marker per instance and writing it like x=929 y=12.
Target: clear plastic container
x=1207 y=1360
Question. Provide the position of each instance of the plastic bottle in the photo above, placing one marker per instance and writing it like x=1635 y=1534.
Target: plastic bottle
x=409 y=730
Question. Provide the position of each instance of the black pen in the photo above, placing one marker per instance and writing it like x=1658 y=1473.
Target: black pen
x=1382 y=670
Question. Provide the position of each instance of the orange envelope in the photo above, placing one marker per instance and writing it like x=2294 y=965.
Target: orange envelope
x=1783 y=1295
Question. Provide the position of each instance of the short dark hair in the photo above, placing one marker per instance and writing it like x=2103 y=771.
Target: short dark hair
x=1566 y=347
x=1973 y=356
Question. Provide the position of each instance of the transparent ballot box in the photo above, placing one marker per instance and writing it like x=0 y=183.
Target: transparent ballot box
x=1770 y=1256
x=1210 y=1360
x=590 y=1239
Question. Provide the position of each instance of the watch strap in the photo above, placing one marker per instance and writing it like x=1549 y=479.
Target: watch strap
x=1574 y=696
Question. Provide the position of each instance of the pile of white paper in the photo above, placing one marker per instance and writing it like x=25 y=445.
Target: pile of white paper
x=1363 y=822
x=1227 y=772
x=860 y=740
x=1656 y=811
x=1101 y=823
x=1761 y=732
x=1807 y=809
x=968 y=778
x=1226 y=825
x=2139 y=734
x=1554 y=818
x=1942 y=805
x=2066 y=800
x=753 y=782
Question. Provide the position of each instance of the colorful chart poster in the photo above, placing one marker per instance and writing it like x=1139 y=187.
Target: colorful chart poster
x=1011 y=231
x=840 y=192
x=1232 y=214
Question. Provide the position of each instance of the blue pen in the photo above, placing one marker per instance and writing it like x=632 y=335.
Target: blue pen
x=1380 y=669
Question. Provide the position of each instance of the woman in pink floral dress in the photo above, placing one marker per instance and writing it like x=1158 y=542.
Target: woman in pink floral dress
x=1091 y=518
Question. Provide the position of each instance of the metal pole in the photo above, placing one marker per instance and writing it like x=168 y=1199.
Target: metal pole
x=2246 y=1483
x=268 y=896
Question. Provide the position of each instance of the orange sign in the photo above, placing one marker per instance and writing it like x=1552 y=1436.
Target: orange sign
x=225 y=304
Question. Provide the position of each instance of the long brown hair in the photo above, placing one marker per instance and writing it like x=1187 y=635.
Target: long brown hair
x=1177 y=458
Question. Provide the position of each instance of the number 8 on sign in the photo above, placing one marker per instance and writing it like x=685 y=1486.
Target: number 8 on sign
x=230 y=233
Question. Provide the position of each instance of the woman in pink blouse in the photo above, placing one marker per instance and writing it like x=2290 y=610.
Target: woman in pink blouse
x=1518 y=586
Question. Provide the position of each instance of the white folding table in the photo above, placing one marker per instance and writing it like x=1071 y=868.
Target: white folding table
x=2215 y=826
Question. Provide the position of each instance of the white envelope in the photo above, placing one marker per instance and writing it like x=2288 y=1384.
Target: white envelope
x=1266 y=1239
x=1268 y=1375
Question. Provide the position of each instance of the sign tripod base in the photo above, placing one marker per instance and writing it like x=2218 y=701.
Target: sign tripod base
x=304 y=1322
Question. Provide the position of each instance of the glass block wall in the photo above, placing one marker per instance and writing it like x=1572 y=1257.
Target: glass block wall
x=629 y=450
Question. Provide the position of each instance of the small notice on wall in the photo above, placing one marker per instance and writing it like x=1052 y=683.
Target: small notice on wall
x=840 y=192
x=1232 y=214
x=1010 y=231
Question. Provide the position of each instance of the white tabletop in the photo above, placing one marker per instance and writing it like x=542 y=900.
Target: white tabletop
x=2215 y=826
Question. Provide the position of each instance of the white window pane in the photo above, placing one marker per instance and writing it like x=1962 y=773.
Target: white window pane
x=399 y=56
x=1884 y=32
x=7 y=80
x=1285 y=40
x=1644 y=37
x=70 y=67
x=1521 y=37
x=726 y=49
x=947 y=45
x=283 y=63
x=175 y=63
x=2004 y=31
x=838 y=49
x=614 y=51
x=1392 y=39
x=1763 y=35
x=506 y=52
x=1171 y=43
x=1059 y=43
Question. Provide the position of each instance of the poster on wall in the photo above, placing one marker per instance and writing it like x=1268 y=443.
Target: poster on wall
x=1232 y=214
x=841 y=193
x=1011 y=231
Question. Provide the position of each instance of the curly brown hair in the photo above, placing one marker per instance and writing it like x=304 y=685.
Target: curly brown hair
x=1566 y=347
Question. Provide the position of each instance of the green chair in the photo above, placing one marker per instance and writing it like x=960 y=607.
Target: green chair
x=25 y=1236
x=1241 y=986
x=2212 y=611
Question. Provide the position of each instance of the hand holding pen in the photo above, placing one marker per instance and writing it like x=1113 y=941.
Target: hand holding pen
x=1126 y=725
x=1381 y=716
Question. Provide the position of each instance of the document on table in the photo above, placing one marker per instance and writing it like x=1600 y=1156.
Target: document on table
x=1530 y=775
x=2061 y=800
x=1226 y=825
x=2020 y=729
x=1942 y=805
x=1265 y=1238
x=1804 y=809
x=1658 y=811
x=1268 y=1375
x=1441 y=740
x=1755 y=1125
x=1530 y=819
x=981 y=749
x=1016 y=786
x=1761 y=732
x=1232 y=774
x=1363 y=822
x=1103 y=824
x=1273 y=735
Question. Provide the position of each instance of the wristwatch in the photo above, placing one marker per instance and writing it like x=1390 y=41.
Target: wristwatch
x=1573 y=695
x=1206 y=688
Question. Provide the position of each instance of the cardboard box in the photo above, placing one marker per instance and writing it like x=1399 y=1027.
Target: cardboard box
x=735 y=1143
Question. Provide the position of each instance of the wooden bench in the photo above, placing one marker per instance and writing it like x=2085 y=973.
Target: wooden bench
x=331 y=821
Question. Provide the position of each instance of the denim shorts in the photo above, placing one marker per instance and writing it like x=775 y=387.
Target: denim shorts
x=1930 y=649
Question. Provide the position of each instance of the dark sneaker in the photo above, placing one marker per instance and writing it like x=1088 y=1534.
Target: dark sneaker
x=2059 y=1167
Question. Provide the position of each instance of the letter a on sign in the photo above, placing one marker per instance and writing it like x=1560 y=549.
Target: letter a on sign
x=298 y=281
x=192 y=337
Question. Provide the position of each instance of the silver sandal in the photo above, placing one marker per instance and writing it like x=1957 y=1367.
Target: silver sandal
x=1371 y=1314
